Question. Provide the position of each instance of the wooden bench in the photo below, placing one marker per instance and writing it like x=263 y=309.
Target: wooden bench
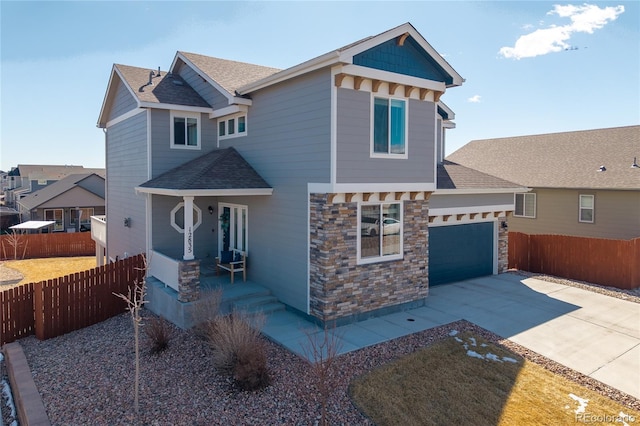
x=238 y=263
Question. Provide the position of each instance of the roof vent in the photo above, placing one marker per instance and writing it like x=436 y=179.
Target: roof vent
x=158 y=73
x=151 y=75
x=602 y=169
x=635 y=163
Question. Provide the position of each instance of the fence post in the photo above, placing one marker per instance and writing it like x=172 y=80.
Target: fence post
x=38 y=310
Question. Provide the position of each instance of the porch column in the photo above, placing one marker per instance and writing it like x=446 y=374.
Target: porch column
x=188 y=228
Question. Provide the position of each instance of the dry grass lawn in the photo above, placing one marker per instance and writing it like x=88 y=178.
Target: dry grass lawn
x=467 y=380
x=34 y=270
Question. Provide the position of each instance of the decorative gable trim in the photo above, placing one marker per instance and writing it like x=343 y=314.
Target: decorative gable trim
x=345 y=56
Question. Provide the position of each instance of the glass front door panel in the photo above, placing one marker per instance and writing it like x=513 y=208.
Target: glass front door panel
x=233 y=226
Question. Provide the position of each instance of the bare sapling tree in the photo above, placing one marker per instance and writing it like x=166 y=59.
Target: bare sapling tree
x=15 y=240
x=321 y=351
x=135 y=300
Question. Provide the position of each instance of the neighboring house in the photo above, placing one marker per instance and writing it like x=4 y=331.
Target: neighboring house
x=584 y=183
x=292 y=167
x=77 y=196
x=28 y=178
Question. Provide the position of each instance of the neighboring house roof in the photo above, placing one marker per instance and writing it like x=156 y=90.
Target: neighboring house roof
x=454 y=176
x=219 y=170
x=167 y=88
x=43 y=171
x=560 y=160
x=52 y=191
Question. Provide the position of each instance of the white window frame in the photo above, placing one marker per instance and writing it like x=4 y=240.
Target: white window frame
x=525 y=195
x=374 y=154
x=56 y=227
x=236 y=132
x=592 y=208
x=185 y=115
x=381 y=257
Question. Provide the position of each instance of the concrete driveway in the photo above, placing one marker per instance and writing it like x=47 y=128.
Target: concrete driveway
x=594 y=334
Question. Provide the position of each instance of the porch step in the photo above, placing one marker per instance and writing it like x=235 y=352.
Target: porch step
x=265 y=304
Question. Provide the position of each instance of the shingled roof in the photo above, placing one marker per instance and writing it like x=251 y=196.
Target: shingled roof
x=230 y=75
x=221 y=169
x=57 y=188
x=455 y=176
x=166 y=88
x=560 y=160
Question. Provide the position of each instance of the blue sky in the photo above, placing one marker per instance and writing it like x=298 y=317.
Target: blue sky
x=530 y=67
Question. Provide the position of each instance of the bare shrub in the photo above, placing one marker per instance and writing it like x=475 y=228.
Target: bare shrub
x=135 y=302
x=321 y=351
x=250 y=371
x=237 y=348
x=159 y=334
x=206 y=310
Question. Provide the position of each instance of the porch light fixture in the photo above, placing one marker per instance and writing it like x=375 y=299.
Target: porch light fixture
x=635 y=164
x=210 y=210
x=127 y=222
x=504 y=225
x=602 y=169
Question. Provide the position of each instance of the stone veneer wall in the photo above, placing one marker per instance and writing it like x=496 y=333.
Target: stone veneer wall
x=339 y=286
x=189 y=280
x=503 y=246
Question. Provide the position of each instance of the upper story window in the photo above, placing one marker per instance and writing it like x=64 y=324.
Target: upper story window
x=525 y=205
x=587 y=208
x=389 y=135
x=185 y=130
x=380 y=236
x=231 y=127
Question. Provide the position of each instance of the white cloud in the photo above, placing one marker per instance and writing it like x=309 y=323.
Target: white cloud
x=584 y=19
x=475 y=99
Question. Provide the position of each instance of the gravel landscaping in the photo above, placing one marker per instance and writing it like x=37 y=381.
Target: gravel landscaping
x=86 y=377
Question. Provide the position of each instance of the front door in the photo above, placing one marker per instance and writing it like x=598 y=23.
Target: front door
x=233 y=227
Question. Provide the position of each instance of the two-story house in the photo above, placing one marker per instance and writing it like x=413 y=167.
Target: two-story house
x=329 y=175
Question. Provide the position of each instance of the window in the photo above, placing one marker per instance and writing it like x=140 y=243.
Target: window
x=525 y=205
x=232 y=127
x=58 y=216
x=586 y=208
x=389 y=127
x=85 y=216
x=185 y=130
x=380 y=236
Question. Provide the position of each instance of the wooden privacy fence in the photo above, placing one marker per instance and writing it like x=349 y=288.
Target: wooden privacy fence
x=613 y=263
x=61 y=244
x=55 y=307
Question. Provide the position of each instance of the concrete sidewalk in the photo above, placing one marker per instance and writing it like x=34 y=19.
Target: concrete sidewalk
x=594 y=334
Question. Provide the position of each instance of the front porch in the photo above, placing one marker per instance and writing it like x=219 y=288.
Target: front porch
x=164 y=300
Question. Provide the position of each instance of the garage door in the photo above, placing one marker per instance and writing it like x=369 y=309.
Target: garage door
x=460 y=252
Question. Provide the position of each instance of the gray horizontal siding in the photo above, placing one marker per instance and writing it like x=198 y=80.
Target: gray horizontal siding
x=126 y=161
x=123 y=101
x=164 y=157
x=288 y=143
x=439 y=201
x=167 y=240
x=203 y=88
x=354 y=162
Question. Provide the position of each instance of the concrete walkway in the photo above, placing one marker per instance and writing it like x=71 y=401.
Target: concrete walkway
x=594 y=334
